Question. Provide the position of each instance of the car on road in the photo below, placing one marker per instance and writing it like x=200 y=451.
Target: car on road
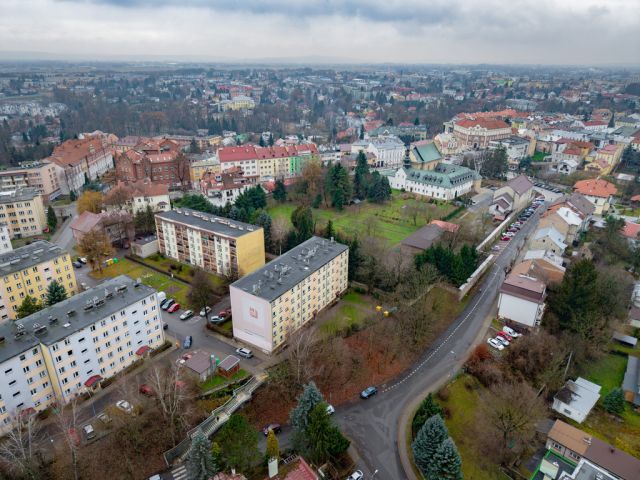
x=495 y=344
x=505 y=335
x=368 y=392
x=82 y=260
x=104 y=418
x=205 y=311
x=330 y=409
x=124 y=406
x=84 y=286
x=186 y=315
x=89 y=432
x=244 y=352
x=77 y=264
x=357 y=475
x=187 y=342
x=274 y=427
x=146 y=390
x=511 y=332
x=165 y=305
x=175 y=306
x=164 y=302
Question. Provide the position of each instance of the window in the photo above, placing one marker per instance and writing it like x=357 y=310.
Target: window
x=23 y=357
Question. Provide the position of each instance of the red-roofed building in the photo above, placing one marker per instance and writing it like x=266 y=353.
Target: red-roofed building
x=223 y=188
x=477 y=133
x=599 y=192
x=631 y=231
x=267 y=163
x=160 y=161
x=299 y=469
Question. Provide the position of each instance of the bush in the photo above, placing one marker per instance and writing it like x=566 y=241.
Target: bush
x=443 y=394
x=614 y=401
x=488 y=373
x=165 y=346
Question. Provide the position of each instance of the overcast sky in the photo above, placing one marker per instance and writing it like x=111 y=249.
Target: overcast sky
x=404 y=31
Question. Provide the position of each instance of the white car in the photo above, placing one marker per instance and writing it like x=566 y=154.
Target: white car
x=244 y=352
x=124 y=406
x=357 y=475
x=495 y=344
x=82 y=260
x=503 y=341
x=186 y=315
x=330 y=410
x=511 y=332
x=205 y=311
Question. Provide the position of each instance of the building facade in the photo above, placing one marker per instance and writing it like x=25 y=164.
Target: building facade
x=5 y=239
x=55 y=354
x=158 y=161
x=522 y=299
x=275 y=301
x=29 y=270
x=267 y=163
x=479 y=133
x=599 y=192
x=23 y=212
x=216 y=244
x=39 y=175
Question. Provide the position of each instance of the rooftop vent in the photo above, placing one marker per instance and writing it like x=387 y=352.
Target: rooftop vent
x=66 y=325
x=99 y=302
x=88 y=306
x=52 y=320
x=71 y=313
x=39 y=329
x=138 y=282
x=108 y=294
x=121 y=288
x=1 y=339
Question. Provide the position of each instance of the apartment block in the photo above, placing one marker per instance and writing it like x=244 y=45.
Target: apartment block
x=288 y=292
x=23 y=211
x=268 y=163
x=5 y=239
x=68 y=349
x=29 y=270
x=216 y=244
x=40 y=175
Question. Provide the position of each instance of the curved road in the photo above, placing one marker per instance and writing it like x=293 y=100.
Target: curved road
x=374 y=425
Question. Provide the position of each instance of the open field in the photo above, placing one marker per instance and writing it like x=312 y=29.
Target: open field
x=392 y=221
x=180 y=270
x=350 y=312
x=160 y=282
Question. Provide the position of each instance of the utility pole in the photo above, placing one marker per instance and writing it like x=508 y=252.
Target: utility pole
x=567 y=367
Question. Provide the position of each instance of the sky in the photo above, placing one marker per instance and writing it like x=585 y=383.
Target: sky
x=558 y=32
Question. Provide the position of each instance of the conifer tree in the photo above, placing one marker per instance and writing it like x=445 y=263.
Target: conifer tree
x=200 y=462
x=55 y=293
x=273 y=447
x=427 y=443
x=614 y=401
x=446 y=463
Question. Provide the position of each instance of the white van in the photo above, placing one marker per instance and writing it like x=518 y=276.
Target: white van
x=89 y=432
x=161 y=296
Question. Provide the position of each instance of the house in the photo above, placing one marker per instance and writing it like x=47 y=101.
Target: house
x=199 y=364
x=517 y=193
x=631 y=382
x=599 y=192
x=84 y=223
x=422 y=239
x=576 y=399
x=145 y=247
x=548 y=238
x=540 y=268
x=297 y=469
x=564 y=220
x=544 y=254
x=576 y=445
x=521 y=299
x=143 y=194
x=223 y=188
x=630 y=231
x=567 y=167
x=579 y=204
x=478 y=133
x=118 y=226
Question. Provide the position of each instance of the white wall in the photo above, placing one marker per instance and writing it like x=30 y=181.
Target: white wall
x=251 y=319
x=517 y=309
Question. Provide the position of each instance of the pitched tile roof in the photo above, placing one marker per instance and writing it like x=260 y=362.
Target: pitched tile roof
x=251 y=152
x=631 y=230
x=595 y=188
x=521 y=184
x=487 y=123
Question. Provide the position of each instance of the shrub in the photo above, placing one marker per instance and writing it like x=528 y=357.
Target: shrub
x=443 y=394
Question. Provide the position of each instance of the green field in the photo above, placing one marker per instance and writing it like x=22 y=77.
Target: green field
x=608 y=372
x=185 y=272
x=218 y=380
x=351 y=311
x=392 y=221
x=160 y=282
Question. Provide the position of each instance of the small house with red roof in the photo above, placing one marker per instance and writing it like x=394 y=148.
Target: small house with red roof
x=598 y=191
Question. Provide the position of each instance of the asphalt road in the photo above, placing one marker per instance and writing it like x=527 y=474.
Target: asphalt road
x=373 y=424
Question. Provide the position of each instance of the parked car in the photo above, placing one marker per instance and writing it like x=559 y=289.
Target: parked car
x=357 y=475
x=187 y=342
x=89 y=432
x=225 y=313
x=168 y=304
x=330 y=410
x=174 y=307
x=104 y=418
x=124 y=406
x=77 y=264
x=502 y=340
x=244 y=352
x=146 y=390
x=74 y=436
x=511 y=332
x=164 y=302
x=495 y=344
x=186 y=315
x=215 y=319
x=504 y=238
x=205 y=311
x=274 y=427
x=505 y=335
x=82 y=260
x=84 y=286
x=368 y=392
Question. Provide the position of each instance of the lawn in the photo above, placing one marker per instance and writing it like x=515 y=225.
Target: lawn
x=350 y=312
x=390 y=221
x=538 y=156
x=180 y=270
x=218 y=380
x=173 y=288
x=608 y=372
x=462 y=403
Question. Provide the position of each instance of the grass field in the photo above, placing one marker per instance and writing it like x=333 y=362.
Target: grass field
x=391 y=221
x=164 y=264
x=160 y=282
x=352 y=310
x=607 y=372
x=218 y=380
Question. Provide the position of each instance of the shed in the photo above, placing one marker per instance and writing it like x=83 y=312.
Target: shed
x=625 y=339
x=576 y=399
x=201 y=364
x=422 y=238
x=229 y=366
x=631 y=382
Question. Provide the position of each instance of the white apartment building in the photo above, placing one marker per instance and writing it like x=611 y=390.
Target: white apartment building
x=23 y=212
x=5 y=239
x=288 y=292
x=55 y=354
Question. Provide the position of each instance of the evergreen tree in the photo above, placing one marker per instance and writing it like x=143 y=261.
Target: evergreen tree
x=28 y=306
x=200 y=462
x=273 y=448
x=324 y=440
x=446 y=463
x=328 y=230
x=427 y=409
x=271 y=139
x=264 y=220
x=239 y=443
x=55 y=293
x=379 y=188
x=427 y=442
x=308 y=399
x=280 y=191
x=52 y=220
x=614 y=401
x=361 y=176
x=612 y=121
x=362 y=133
x=193 y=147
x=261 y=141
x=338 y=186
x=302 y=220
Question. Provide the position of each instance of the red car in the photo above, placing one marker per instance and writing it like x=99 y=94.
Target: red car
x=505 y=335
x=174 y=308
x=224 y=313
x=146 y=390
x=505 y=239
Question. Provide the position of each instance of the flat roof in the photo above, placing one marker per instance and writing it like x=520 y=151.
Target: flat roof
x=19 y=195
x=28 y=256
x=283 y=273
x=208 y=222
x=121 y=292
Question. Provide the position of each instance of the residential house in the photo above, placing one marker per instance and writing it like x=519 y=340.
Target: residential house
x=579 y=204
x=223 y=188
x=631 y=382
x=515 y=195
x=576 y=399
x=201 y=164
x=548 y=238
x=267 y=163
x=567 y=167
x=631 y=232
x=564 y=220
x=516 y=149
x=540 y=268
x=522 y=299
x=145 y=193
x=599 y=192
x=117 y=225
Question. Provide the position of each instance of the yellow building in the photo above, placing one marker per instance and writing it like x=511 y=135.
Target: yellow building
x=23 y=211
x=200 y=167
x=29 y=270
x=69 y=348
x=272 y=303
x=216 y=244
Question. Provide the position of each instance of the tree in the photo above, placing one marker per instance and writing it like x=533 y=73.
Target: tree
x=446 y=463
x=95 y=246
x=495 y=164
x=271 y=139
x=308 y=399
x=427 y=442
x=145 y=221
x=302 y=220
x=19 y=450
x=280 y=191
x=118 y=196
x=379 y=189
x=55 y=293
x=338 y=186
x=264 y=220
x=279 y=232
x=329 y=232
x=427 y=409
x=52 y=219
x=361 y=176
x=201 y=291
x=200 y=462
x=273 y=448
x=28 y=307
x=261 y=141
x=194 y=147
x=90 y=201
x=614 y=401
x=239 y=443
x=324 y=438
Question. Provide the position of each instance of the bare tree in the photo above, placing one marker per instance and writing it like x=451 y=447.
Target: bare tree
x=66 y=417
x=300 y=346
x=19 y=450
x=118 y=196
x=279 y=230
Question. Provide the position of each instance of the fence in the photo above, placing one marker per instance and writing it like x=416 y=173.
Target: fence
x=471 y=281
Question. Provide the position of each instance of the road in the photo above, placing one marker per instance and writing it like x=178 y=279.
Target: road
x=373 y=425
